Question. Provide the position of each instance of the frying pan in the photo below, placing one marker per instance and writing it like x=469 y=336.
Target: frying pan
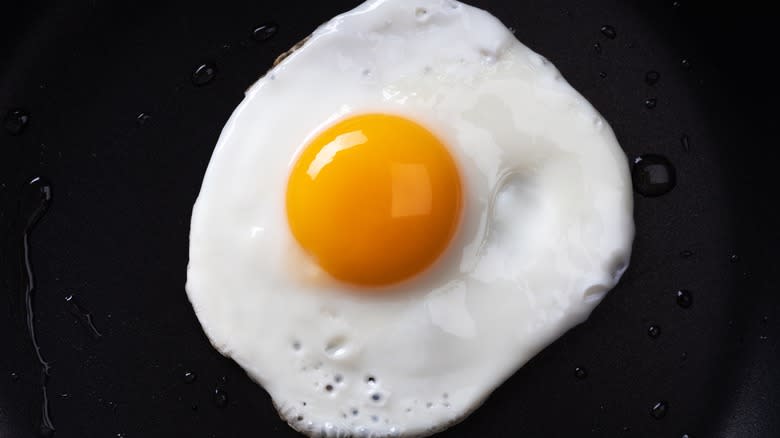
x=120 y=135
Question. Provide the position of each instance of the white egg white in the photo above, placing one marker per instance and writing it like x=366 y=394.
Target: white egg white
x=546 y=232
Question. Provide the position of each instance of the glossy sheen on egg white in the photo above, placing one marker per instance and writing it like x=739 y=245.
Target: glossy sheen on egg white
x=546 y=230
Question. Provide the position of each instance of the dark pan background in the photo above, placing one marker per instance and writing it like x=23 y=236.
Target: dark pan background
x=115 y=236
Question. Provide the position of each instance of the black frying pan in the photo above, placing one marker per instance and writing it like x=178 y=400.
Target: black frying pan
x=113 y=124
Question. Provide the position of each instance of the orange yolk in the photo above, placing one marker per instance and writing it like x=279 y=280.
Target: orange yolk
x=375 y=199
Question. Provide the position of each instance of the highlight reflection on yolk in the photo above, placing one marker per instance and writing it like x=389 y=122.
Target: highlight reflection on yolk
x=374 y=199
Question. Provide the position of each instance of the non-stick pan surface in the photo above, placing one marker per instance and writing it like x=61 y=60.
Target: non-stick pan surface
x=120 y=136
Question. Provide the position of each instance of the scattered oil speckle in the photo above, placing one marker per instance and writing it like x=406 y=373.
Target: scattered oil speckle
x=16 y=121
x=653 y=175
x=204 y=74
x=659 y=410
x=684 y=298
x=608 y=31
x=654 y=331
x=142 y=118
x=652 y=77
x=220 y=398
x=264 y=32
x=685 y=142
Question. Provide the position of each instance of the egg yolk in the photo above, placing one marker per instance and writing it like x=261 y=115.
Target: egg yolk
x=375 y=199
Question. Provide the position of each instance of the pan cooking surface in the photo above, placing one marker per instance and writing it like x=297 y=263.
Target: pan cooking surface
x=110 y=114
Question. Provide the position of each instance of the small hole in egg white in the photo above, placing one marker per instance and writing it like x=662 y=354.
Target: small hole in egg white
x=445 y=395
x=296 y=345
x=303 y=403
x=329 y=388
x=420 y=12
x=370 y=379
x=337 y=378
x=299 y=418
x=376 y=397
x=374 y=418
x=429 y=405
x=355 y=412
x=446 y=405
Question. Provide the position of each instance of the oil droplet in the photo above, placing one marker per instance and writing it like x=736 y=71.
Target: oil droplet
x=15 y=377
x=264 y=32
x=686 y=253
x=580 y=373
x=220 y=398
x=652 y=77
x=659 y=409
x=654 y=331
x=685 y=64
x=684 y=298
x=46 y=431
x=603 y=75
x=15 y=121
x=651 y=102
x=82 y=315
x=734 y=258
x=597 y=47
x=685 y=435
x=190 y=377
x=608 y=31
x=142 y=118
x=204 y=74
x=653 y=175
x=676 y=4
x=685 y=142
x=34 y=202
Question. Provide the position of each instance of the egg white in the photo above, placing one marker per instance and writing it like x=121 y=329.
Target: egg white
x=546 y=231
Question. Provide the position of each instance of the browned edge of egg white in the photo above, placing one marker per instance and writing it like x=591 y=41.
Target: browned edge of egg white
x=284 y=55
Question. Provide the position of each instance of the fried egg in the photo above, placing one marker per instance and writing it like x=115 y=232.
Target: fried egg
x=400 y=214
